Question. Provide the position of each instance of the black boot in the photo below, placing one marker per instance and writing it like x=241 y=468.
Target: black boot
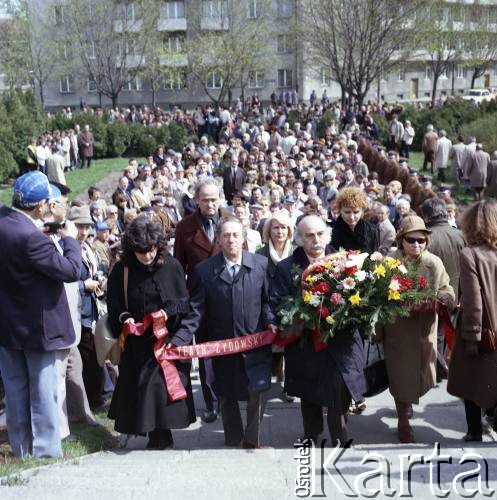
x=160 y=439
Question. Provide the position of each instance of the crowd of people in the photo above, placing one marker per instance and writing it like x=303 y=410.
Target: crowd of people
x=210 y=235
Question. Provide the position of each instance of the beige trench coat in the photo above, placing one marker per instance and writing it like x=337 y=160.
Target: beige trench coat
x=410 y=343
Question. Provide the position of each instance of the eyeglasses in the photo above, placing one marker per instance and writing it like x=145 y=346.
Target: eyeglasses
x=411 y=241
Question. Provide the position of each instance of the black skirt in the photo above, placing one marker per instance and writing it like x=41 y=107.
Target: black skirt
x=140 y=403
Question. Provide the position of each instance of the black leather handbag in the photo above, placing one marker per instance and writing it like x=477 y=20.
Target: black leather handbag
x=375 y=371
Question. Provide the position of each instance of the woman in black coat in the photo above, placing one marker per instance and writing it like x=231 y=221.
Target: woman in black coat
x=351 y=231
x=141 y=404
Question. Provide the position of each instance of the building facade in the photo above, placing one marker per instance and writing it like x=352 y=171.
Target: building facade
x=290 y=70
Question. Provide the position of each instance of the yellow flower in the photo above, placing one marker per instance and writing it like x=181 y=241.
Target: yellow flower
x=380 y=271
x=307 y=296
x=330 y=320
x=393 y=295
x=355 y=299
x=309 y=278
x=392 y=263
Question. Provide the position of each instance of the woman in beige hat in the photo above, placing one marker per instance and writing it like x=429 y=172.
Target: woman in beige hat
x=410 y=343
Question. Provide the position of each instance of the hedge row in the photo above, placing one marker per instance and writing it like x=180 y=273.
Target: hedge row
x=22 y=118
x=117 y=139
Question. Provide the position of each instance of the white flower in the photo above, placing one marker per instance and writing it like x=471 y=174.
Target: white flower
x=357 y=260
x=402 y=269
x=376 y=257
x=315 y=300
x=348 y=283
x=394 y=285
x=360 y=275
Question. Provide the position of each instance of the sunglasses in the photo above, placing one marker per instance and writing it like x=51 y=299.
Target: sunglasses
x=411 y=241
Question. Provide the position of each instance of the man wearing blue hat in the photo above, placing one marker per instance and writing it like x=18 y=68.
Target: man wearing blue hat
x=35 y=316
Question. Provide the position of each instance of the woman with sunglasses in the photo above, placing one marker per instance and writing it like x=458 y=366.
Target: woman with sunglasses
x=155 y=280
x=410 y=344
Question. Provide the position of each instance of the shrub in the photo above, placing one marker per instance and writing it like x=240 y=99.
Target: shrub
x=326 y=120
x=146 y=144
x=118 y=139
x=8 y=166
x=485 y=131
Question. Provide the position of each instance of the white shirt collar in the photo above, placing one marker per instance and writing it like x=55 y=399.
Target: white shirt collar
x=230 y=264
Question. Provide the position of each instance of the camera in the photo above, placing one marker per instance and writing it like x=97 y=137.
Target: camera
x=53 y=227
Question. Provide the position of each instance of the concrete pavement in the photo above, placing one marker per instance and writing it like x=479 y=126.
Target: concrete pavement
x=200 y=466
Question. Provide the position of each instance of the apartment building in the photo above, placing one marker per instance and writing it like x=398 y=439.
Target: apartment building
x=290 y=68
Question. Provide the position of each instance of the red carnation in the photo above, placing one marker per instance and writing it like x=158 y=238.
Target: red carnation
x=350 y=271
x=321 y=288
x=422 y=283
x=406 y=283
x=324 y=312
x=318 y=269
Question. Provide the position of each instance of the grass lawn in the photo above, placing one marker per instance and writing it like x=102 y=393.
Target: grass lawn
x=458 y=195
x=81 y=179
x=88 y=440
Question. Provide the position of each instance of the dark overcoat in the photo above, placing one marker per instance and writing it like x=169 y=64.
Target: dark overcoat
x=231 y=310
x=475 y=377
x=312 y=375
x=140 y=402
x=33 y=303
x=365 y=236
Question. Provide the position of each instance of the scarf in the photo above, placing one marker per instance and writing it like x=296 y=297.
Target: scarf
x=274 y=254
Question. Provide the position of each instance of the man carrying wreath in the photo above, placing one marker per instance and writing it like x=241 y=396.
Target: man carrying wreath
x=332 y=376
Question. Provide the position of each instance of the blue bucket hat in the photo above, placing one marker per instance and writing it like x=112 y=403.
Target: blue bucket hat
x=33 y=187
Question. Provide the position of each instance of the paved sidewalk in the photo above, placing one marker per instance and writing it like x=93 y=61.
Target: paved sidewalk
x=200 y=466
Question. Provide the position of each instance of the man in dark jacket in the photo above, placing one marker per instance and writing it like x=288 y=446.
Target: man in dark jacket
x=330 y=377
x=35 y=316
x=230 y=290
x=195 y=241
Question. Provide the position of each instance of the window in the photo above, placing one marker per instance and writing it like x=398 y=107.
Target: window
x=174 y=44
x=131 y=12
x=401 y=75
x=461 y=43
x=134 y=84
x=59 y=15
x=428 y=73
x=444 y=74
x=214 y=8
x=445 y=14
x=253 y=8
x=214 y=81
x=326 y=76
x=400 y=96
x=284 y=44
x=90 y=50
x=92 y=85
x=459 y=13
x=256 y=80
x=284 y=78
x=64 y=51
x=284 y=8
x=172 y=10
x=175 y=80
x=460 y=71
x=130 y=47
x=66 y=84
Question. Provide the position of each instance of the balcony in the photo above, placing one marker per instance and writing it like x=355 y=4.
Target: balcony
x=174 y=60
x=214 y=23
x=177 y=24
x=130 y=26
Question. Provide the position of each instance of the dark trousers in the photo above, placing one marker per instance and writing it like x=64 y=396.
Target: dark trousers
x=441 y=174
x=404 y=150
x=206 y=374
x=93 y=374
x=473 y=417
x=312 y=416
x=86 y=160
x=429 y=158
x=232 y=419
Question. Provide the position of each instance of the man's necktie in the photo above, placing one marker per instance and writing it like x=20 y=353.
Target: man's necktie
x=234 y=272
x=210 y=230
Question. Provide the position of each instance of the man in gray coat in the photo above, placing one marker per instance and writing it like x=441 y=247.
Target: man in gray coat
x=456 y=155
x=477 y=171
x=446 y=243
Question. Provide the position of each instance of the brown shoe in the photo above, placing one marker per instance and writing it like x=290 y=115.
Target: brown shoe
x=247 y=445
x=405 y=434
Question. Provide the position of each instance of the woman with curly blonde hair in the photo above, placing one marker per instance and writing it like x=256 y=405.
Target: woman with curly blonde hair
x=351 y=231
x=473 y=365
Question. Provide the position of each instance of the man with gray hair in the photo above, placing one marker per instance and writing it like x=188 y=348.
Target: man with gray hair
x=442 y=154
x=446 y=243
x=328 y=378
